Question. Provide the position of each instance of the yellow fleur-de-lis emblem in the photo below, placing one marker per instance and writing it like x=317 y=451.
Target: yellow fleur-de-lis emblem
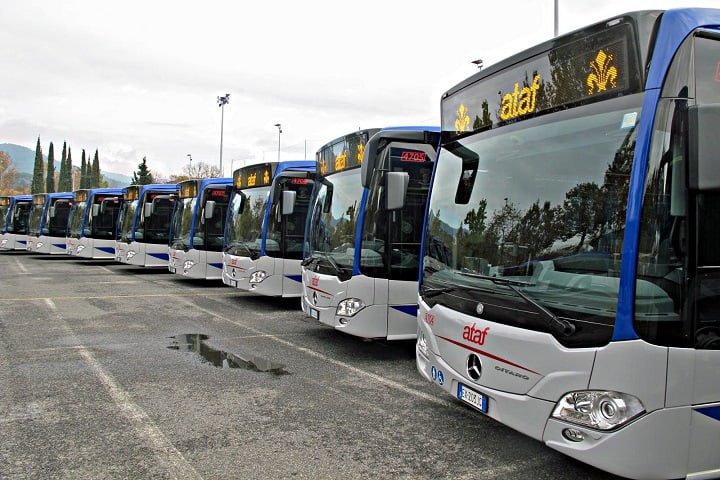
x=462 y=122
x=603 y=74
x=360 y=152
x=323 y=166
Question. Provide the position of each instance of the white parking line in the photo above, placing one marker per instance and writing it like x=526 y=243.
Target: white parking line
x=166 y=453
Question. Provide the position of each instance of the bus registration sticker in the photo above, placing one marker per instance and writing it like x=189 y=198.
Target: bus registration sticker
x=476 y=399
x=314 y=313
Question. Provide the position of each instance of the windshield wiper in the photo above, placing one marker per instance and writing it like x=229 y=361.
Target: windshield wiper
x=558 y=325
x=429 y=292
x=340 y=272
x=251 y=253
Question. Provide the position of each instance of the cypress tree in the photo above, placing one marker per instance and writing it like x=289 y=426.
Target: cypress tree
x=65 y=178
x=38 y=170
x=83 y=171
x=50 y=176
x=95 y=172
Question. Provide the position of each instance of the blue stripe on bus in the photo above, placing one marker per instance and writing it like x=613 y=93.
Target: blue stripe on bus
x=160 y=256
x=59 y=245
x=712 y=412
x=216 y=265
x=297 y=278
x=409 y=309
x=107 y=249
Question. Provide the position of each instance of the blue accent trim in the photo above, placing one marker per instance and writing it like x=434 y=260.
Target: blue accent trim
x=107 y=249
x=59 y=245
x=297 y=278
x=160 y=256
x=411 y=310
x=216 y=265
x=359 y=228
x=712 y=412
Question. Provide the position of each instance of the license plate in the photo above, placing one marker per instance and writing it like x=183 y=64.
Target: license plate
x=314 y=313
x=476 y=399
x=172 y=269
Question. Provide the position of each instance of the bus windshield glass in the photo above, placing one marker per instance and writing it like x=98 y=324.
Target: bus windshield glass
x=36 y=216
x=243 y=235
x=331 y=233
x=76 y=219
x=286 y=233
x=125 y=224
x=182 y=222
x=533 y=232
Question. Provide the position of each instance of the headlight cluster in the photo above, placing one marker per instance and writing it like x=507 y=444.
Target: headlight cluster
x=80 y=248
x=258 y=276
x=130 y=254
x=349 y=307
x=598 y=409
x=188 y=265
x=422 y=345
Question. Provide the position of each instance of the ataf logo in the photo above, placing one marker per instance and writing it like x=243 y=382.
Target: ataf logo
x=475 y=335
x=315 y=281
x=429 y=318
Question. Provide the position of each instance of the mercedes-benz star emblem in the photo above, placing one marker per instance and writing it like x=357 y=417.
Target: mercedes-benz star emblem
x=474 y=367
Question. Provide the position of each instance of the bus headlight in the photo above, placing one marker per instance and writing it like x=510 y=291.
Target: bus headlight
x=188 y=265
x=421 y=344
x=80 y=248
x=598 y=409
x=130 y=254
x=349 y=307
x=39 y=244
x=258 y=276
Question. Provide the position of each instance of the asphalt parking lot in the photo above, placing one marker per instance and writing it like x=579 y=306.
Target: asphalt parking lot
x=113 y=371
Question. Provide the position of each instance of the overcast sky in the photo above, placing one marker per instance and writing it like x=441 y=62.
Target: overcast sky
x=140 y=78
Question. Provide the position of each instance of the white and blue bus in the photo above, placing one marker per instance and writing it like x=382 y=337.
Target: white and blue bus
x=144 y=225
x=92 y=227
x=198 y=226
x=265 y=227
x=15 y=226
x=49 y=222
x=571 y=275
x=360 y=272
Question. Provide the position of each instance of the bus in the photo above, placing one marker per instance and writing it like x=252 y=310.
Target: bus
x=198 y=226
x=15 y=225
x=92 y=227
x=360 y=272
x=265 y=227
x=144 y=225
x=570 y=286
x=49 y=222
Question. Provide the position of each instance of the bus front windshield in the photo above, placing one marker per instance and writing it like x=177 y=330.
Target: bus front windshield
x=36 y=216
x=333 y=217
x=125 y=224
x=527 y=220
x=182 y=223
x=243 y=235
x=76 y=219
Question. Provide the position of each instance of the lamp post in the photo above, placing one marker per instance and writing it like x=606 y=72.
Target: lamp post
x=279 y=127
x=190 y=167
x=222 y=101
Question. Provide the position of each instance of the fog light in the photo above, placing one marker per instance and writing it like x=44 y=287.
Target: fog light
x=343 y=321
x=573 y=434
x=421 y=344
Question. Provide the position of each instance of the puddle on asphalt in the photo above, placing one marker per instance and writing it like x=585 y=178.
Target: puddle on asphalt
x=195 y=342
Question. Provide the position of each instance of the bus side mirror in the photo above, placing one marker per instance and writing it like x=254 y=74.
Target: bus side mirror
x=148 y=210
x=95 y=209
x=288 y=201
x=395 y=189
x=52 y=211
x=704 y=147
x=209 y=209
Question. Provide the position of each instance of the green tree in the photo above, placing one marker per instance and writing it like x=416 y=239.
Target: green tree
x=65 y=179
x=142 y=176
x=38 y=183
x=95 y=180
x=8 y=174
x=50 y=175
x=84 y=180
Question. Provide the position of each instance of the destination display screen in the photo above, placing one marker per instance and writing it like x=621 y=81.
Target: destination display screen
x=5 y=201
x=132 y=193
x=344 y=153
x=188 y=189
x=259 y=175
x=591 y=66
x=39 y=199
x=81 y=195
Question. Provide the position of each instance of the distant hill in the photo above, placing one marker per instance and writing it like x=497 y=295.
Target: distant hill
x=24 y=162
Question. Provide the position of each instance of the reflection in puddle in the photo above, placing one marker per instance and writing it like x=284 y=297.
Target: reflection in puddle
x=195 y=342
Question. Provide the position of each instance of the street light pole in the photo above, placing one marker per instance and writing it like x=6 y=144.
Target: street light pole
x=222 y=101
x=190 y=167
x=279 y=132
